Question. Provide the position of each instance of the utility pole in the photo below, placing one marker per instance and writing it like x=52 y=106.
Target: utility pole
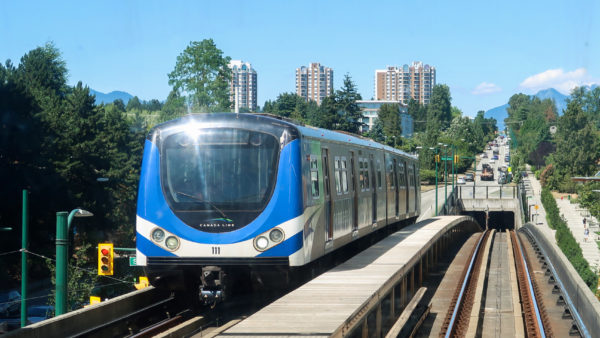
x=24 y=240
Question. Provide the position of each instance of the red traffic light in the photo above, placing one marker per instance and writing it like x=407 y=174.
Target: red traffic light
x=104 y=251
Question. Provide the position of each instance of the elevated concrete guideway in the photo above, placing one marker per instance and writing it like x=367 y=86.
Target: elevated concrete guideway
x=367 y=293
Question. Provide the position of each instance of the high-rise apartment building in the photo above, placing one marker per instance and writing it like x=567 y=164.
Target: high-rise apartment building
x=242 y=87
x=314 y=82
x=403 y=83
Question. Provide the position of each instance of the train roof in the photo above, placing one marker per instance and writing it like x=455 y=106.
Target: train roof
x=335 y=135
x=308 y=131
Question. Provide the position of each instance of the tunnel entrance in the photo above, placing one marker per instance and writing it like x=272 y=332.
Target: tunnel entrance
x=499 y=220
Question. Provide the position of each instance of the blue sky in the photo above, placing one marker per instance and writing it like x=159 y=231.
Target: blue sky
x=485 y=51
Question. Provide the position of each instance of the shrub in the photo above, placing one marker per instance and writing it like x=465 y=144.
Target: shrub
x=428 y=175
x=566 y=242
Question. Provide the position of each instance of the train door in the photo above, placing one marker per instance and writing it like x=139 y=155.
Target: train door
x=411 y=190
x=354 y=192
x=404 y=186
x=374 y=185
x=328 y=200
x=397 y=190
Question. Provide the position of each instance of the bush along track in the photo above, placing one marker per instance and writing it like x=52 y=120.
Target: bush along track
x=566 y=242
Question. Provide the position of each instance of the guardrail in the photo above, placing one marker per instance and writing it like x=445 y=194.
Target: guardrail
x=583 y=304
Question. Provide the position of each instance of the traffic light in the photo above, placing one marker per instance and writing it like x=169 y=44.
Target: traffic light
x=437 y=158
x=456 y=158
x=105 y=259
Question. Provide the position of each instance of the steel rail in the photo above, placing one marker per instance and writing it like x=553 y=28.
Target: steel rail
x=568 y=301
x=538 y=316
x=464 y=287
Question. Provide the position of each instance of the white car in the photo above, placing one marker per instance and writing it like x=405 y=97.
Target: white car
x=460 y=180
x=492 y=161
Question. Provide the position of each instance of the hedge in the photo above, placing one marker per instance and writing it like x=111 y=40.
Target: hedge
x=566 y=242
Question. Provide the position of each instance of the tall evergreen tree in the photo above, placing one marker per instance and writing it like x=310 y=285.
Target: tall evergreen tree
x=389 y=114
x=440 y=108
x=351 y=114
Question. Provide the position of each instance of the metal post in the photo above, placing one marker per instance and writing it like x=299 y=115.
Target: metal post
x=24 y=240
x=474 y=174
x=436 y=184
x=453 y=168
x=61 y=262
x=446 y=179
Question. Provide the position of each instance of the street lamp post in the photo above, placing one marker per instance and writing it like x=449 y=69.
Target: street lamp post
x=453 y=168
x=436 y=179
x=24 y=240
x=445 y=175
x=63 y=225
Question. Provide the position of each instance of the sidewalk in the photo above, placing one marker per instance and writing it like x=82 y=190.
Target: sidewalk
x=572 y=213
x=534 y=197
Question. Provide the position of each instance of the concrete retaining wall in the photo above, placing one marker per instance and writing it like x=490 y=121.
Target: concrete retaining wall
x=583 y=299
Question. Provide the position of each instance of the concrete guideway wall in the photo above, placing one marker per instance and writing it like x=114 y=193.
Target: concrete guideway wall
x=582 y=298
x=347 y=299
x=74 y=322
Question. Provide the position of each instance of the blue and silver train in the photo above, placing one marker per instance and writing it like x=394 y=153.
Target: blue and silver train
x=222 y=193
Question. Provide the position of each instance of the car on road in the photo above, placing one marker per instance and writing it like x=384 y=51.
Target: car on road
x=484 y=155
x=10 y=302
x=469 y=177
x=37 y=313
x=460 y=180
x=492 y=161
x=495 y=157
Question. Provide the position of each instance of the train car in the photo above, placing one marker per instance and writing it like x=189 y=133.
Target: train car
x=224 y=194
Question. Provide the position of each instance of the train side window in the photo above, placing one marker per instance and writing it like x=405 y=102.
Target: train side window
x=314 y=177
x=401 y=176
x=366 y=168
x=344 y=172
x=378 y=174
x=390 y=175
x=360 y=174
x=338 y=186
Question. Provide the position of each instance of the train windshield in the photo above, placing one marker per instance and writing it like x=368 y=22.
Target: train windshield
x=220 y=170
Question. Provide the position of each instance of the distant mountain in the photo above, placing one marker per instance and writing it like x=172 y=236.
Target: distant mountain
x=110 y=97
x=560 y=100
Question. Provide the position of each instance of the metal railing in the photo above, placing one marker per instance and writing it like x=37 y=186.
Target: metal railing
x=487 y=192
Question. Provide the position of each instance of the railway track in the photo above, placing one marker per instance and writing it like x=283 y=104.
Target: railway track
x=485 y=280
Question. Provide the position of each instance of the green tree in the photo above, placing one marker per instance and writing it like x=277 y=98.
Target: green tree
x=329 y=118
x=119 y=105
x=134 y=103
x=577 y=143
x=376 y=132
x=351 y=114
x=440 y=108
x=174 y=107
x=203 y=72
x=418 y=113
x=389 y=114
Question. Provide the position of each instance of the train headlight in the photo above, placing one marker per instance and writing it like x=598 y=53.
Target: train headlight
x=158 y=235
x=276 y=235
x=172 y=243
x=262 y=243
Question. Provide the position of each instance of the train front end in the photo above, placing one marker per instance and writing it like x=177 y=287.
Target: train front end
x=218 y=193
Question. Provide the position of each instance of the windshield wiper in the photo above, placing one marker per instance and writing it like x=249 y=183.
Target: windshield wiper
x=202 y=201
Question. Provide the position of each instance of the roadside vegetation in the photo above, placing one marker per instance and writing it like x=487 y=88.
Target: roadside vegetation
x=566 y=242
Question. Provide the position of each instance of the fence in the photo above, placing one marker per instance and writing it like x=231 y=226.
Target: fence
x=487 y=192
